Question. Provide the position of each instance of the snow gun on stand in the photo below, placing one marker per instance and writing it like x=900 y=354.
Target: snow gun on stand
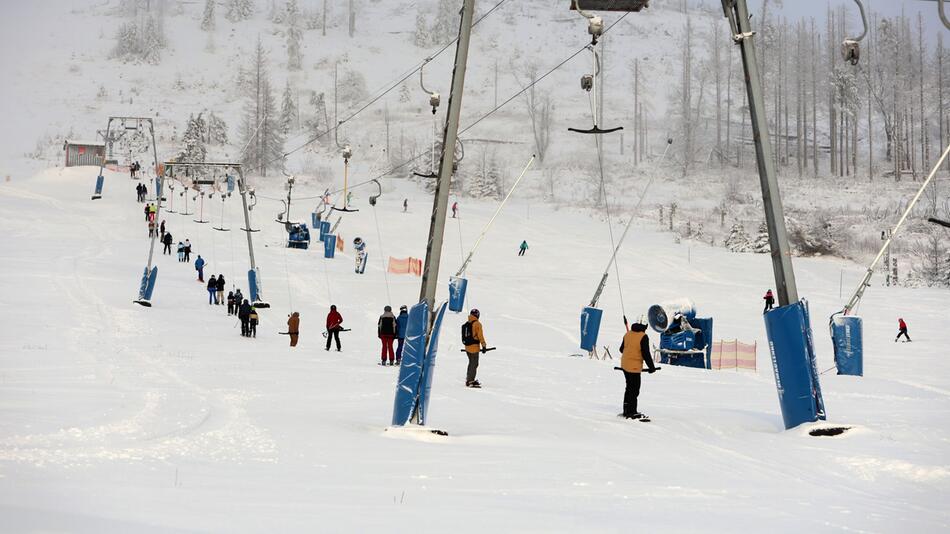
x=685 y=339
x=847 y=329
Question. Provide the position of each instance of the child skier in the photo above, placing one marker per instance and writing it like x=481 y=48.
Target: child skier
x=252 y=325
x=635 y=350
x=455 y=209
x=402 y=321
x=230 y=302
x=181 y=251
x=405 y=205
x=473 y=337
x=360 y=247
x=769 y=301
x=386 y=330
x=334 y=326
x=523 y=248
x=902 y=330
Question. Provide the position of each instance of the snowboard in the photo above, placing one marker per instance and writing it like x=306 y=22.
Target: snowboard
x=643 y=418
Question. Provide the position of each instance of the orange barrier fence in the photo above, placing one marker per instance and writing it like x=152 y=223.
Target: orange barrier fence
x=405 y=266
x=733 y=355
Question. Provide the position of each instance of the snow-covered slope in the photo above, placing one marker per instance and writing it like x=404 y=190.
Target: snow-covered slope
x=118 y=418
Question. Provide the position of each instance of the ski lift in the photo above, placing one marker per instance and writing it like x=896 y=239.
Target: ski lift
x=851 y=48
x=374 y=198
x=610 y=5
x=347 y=154
x=434 y=97
x=222 y=228
x=588 y=84
x=201 y=209
x=317 y=216
x=939 y=222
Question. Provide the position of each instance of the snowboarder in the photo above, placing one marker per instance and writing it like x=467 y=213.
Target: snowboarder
x=167 y=241
x=902 y=330
x=473 y=337
x=181 y=251
x=402 y=322
x=405 y=205
x=334 y=326
x=293 y=328
x=523 y=248
x=187 y=250
x=360 y=247
x=455 y=209
x=200 y=267
x=244 y=314
x=386 y=330
x=635 y=350
x=230 y=302
x=252 y=325
x=769 y=301
x=212 y=289
x=219 y=294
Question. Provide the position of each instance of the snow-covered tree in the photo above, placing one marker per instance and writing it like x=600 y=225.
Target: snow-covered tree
x=193 y=143
x=814 y=238
x=261 y=130
x=140 y=42
x=217 y=133
x=317 y=123
x=932 y=265
x=445 y=27
x=760 y=245
x=288 y=110
x=351 y=86
x=738 y=240
x=238 y=10
x=207 y=19
x=421 y=37
x=294 y=36
x=485 y=182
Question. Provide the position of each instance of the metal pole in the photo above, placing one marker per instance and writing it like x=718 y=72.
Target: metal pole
x=738 y=13
x=247 y=218
x=430 y=270
x=151 y=130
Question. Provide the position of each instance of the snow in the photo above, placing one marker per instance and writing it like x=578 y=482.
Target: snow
x=118 y=418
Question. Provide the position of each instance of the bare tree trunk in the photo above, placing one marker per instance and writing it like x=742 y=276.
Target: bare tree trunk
x=940 y=91
x=832 y=115
x=324 y=18
x=814 y=97
x=924 y=156
x=718 y=68
x=729 y=104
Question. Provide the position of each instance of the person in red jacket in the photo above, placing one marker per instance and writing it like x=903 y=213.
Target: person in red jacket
x=902 y=330
x=769 y=299
x=334 y=326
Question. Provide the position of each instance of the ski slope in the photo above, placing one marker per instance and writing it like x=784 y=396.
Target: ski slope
x=118 y=418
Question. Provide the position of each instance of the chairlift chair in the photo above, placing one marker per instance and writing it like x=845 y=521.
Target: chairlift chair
x=201 y=209
x=224 y=196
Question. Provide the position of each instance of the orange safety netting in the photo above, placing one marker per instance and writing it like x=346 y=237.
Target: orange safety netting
x=339 y=242
x=405 y=266
x=733 y=355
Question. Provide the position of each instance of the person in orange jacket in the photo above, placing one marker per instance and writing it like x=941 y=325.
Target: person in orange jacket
x=473 y=337
x=635 y=350
x=293 y=328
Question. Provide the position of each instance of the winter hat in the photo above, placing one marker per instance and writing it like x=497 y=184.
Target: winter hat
x=333 y=307
x=388 y=309
x=403 y=308
x=475 y=313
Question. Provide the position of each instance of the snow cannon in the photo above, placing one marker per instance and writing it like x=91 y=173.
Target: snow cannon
x=847 y=336
x=660 y=315
x=457 y=288
x=329 y=246
x=298 y=236
x=324 y=230
x=793 y=360
x=685 y=339
x=590 y=327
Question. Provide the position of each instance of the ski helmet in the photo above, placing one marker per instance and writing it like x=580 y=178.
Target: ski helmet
x=475 y=313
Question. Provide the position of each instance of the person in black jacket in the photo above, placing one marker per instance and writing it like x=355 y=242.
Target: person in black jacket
x=244 y=314
x=386 y=329
x=167 y=241
x=219 y=294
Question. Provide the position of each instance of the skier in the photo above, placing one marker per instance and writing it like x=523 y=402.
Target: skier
x=349 y=198
x=405 y=205
x=151 y=229
x=147 y=211
x=212 y=289
x=334 y=326
x=181 y=251
x=244 y=314
x=252 y=324
x=219 y=294
x=152 y=210
x=402 y=322
x=360 y=247
x=187 y=250
x=230 y=302
x=167 y=241
x=200 y=267
x=386 y=330
x=293 y=328
x=635 y=350
x=138 y=192
x=144 y=192
x=238 y=298
x=455 y=209
x=769 y=301
x=473 y=337
x=162 y=229
x=902 y=326
x=523 y=248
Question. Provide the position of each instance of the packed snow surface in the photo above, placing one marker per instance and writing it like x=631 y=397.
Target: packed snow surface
x=120 y=418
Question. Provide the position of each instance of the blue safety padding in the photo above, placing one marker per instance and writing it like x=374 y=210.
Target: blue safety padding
x=590 y=327
x=847 y=336
x=99 y=181
x=410 y=371
x=428 y=366
x=457 y=288
x=324 y=229
x=793 y=361
x=252 y=285
x=230 y=179
x=148 y=283
x=329 y=246
x=314 y=221
x=158 y=188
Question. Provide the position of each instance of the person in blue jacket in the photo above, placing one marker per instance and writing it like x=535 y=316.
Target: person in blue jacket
x=200 y=267
x=402 y=321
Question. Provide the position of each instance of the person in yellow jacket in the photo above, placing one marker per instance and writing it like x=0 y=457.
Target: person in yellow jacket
x=473 y=337
x=636 y=351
